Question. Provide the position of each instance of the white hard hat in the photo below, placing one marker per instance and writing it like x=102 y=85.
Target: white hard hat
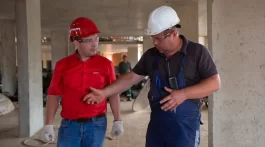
x=160 y=19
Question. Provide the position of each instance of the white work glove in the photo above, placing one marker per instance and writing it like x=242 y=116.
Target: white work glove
x=117 y=128
x=47 y=134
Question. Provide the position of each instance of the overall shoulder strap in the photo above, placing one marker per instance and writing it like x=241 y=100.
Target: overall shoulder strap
x=182 y=63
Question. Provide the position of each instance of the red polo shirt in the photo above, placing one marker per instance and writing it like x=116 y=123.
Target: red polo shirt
x=72 y=79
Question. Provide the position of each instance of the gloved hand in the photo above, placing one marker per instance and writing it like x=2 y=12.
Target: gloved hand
x=117 y=128
x=47 y=134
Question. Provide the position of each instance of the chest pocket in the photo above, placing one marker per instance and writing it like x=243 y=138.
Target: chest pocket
x=192 y=75
x=190 y=72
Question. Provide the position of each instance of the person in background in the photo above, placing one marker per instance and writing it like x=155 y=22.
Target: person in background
x=124 y=68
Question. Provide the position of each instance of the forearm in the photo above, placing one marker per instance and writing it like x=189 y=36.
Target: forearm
x=121 y=84
x=115 y=106
x=51 y=108
x=204 y=88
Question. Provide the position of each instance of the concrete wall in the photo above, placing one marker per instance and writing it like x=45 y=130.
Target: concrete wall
x=133 y=55
x=188 y=14
x=202 y=13
x=59 y=45
x=8 y=56
x=147 y=43
x=238 y=46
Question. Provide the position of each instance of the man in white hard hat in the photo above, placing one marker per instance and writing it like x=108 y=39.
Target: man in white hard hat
x=182 y=72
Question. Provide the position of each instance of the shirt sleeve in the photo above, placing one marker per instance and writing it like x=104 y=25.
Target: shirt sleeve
x=140 y=68
x=55 y=87
x=111 y=75
x=206 y=65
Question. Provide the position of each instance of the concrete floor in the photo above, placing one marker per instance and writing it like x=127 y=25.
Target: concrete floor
x=135 y=124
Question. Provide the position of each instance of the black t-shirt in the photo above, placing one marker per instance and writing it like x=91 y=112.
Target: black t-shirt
x=199 y=64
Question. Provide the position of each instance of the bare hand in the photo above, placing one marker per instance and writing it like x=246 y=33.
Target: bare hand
x=175 y=98
x=94 y=97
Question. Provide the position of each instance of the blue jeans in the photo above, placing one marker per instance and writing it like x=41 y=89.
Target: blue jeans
x=87 y=134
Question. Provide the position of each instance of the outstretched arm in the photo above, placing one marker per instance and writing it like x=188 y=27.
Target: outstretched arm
x=123 y=83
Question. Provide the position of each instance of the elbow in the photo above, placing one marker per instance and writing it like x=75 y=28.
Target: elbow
x=217 y=83
x=217 y=88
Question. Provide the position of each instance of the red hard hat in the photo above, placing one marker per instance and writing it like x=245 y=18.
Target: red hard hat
x=82 y=27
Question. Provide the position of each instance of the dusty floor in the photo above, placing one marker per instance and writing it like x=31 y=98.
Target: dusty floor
x=135 y=124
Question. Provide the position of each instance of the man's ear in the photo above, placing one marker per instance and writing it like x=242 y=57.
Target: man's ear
x=176 y=32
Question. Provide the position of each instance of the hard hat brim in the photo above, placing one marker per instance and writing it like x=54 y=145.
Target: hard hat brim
x=178 y=26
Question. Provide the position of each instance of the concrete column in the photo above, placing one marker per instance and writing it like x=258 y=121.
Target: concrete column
x=28 y=28
x=140 y=51
x=8 y=56
x=59 y=44
x=202 y=17
x=133 y=55
x=147 y=43
x=238 y=46
x=203 y=40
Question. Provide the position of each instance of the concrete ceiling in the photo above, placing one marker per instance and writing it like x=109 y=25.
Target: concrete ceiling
x=113 y=17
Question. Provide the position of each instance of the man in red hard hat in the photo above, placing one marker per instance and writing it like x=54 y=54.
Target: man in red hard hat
x=83 y=125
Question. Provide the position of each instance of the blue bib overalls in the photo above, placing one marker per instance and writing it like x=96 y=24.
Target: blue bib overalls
x=178 y=128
